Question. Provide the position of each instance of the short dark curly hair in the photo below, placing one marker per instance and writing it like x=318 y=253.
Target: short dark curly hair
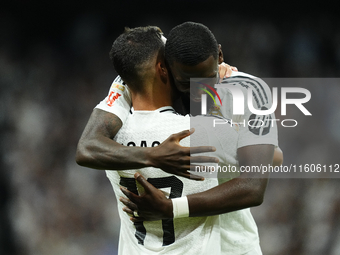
x=132 y=49
x=190 y=44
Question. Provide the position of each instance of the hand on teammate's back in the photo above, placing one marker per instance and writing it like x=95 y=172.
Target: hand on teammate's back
x=150 y=206
x=175 y=159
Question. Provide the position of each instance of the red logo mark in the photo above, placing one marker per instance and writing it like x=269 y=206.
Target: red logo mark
x=112 y=97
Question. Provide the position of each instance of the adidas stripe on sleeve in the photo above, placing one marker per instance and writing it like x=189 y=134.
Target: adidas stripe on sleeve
x=254 y=129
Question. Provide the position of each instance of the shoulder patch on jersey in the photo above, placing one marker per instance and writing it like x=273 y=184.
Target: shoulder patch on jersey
x=117 y=86
x=112 y=98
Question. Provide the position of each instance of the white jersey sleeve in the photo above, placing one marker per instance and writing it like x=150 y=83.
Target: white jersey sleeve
x=253 y=129
x=118 y=100
x=238 y=229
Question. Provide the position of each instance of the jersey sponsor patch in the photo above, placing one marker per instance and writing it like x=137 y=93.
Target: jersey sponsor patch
x=117 y=86
x=112 y=98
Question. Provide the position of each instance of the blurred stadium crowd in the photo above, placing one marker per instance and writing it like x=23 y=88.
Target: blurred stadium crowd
x=49 y=85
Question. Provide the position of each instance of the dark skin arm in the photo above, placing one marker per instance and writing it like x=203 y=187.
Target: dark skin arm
x=96 y=149
x=243 y=192
x=238 y=193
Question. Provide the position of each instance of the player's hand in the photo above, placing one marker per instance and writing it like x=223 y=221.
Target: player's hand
x=173 y=158
x=152 y=205
x=225 y=70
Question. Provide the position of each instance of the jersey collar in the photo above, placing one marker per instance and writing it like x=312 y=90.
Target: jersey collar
x=168 y=109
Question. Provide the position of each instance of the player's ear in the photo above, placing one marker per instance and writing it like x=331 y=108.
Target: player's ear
x=161 y=66
x=162 y=70
x=220 y=54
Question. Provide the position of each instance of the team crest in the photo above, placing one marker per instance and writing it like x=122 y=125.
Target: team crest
x=215 y=110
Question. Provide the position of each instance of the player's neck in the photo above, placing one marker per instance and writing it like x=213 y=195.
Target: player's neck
x=152 y=98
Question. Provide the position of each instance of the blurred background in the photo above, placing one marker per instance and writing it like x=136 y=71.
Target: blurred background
x=54 y=69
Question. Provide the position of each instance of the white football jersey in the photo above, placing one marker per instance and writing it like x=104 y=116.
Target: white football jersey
x=239 y=232
x=238 y=229
x=196 y=235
